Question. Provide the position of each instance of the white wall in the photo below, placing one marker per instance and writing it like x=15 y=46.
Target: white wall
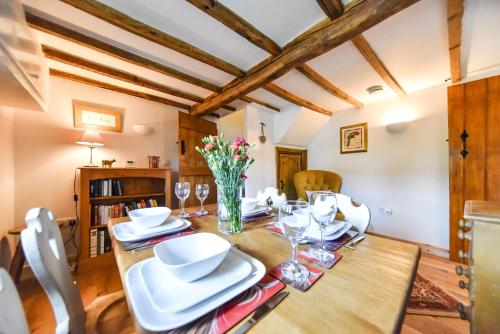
x=232 y=125
x=7 y=170
x=46 y=154
x=407 y=171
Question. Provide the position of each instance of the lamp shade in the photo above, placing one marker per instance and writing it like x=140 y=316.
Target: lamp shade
x=90 y=137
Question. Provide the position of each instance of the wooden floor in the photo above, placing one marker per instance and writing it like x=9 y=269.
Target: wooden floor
x=437 y=269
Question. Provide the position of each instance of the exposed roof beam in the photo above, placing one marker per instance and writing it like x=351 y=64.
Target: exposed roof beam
x=90 y=42
x=114 y=73
x=284 y=94
x=100 y=84
x=455 y=13
x=314 y=76
x=234 y=22
x=353 y=22
x=249 y=99
x=332 y=8
x=252 y=34
x=93 y=43
x=125 y=22
x=371 y=57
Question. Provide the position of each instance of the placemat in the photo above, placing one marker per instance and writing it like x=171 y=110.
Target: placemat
x=314 y=275
x=331 y=245
x=148 y=243
x=226 y=316
x=266 y=215
x=325 y=264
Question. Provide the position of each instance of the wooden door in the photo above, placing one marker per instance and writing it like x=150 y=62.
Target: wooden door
x=474 y=149
x=192 y=165
x=289 y=162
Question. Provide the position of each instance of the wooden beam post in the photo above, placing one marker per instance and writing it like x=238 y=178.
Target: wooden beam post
x=455 y=13
x=284 y=94
x=332 y=8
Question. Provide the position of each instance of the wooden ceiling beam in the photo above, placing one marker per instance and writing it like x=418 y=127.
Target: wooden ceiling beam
x=237 y=24
x=455 y=13
x=332 y=8
x=114 y=73
x=249 y=99
x=125 y=22
x=321 y=81
x=353 y=22
x=100 y=84
x=286 y=95
x=371 y=57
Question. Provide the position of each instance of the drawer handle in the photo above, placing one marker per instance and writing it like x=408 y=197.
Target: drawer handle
x=464 y=235
x=464 y=224
x=462 y=271
x=464 y=285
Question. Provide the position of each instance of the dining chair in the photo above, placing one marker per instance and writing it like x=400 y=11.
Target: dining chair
x=355 y=213
x=44 y=249
x=12 y=317
x=5 y=257
x=271 y=192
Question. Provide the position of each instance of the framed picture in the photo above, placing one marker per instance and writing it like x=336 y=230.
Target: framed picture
x=87 y=115
x=354 y=138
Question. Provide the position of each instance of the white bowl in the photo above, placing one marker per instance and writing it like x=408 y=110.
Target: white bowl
x=149 y=217
x=248 y=203
x=192 y=256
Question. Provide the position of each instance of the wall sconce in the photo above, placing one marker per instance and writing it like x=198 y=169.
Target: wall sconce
x=396 y=127
x=262 y=138
x=143 y=129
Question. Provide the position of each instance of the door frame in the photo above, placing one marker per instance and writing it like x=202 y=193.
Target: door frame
x=279 y=150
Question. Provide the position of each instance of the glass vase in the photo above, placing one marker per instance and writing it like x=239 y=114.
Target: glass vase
x=229 y=209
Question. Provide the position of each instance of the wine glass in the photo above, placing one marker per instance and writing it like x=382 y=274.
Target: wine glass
x=295 y=219
x=323 y=208
x=201 y=192
x=182 y=190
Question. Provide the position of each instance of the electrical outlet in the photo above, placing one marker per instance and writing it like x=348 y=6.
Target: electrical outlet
x=385 y=210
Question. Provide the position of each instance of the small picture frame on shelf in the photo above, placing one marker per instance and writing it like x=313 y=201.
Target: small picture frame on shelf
x=129 y=164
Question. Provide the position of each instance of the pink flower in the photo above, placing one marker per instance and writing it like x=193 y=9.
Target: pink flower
x=209 y=147
x=237 y=157
x=239 y=140
x=234 y=146
x=244 y=177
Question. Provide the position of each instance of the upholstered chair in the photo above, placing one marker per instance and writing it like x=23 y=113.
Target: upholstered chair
x=315 y=180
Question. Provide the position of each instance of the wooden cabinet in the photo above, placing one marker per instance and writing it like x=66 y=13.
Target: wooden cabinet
x=474 y=150
x=481 y=226
x=136 y=184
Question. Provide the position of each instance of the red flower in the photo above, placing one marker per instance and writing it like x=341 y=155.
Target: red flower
x=234 y=146
x=209 y=147
x=237 y=157
x=244 y=177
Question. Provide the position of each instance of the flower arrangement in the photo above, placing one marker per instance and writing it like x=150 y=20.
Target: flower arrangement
x=228 y=163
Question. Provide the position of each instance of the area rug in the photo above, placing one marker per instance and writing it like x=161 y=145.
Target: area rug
x=429 y=299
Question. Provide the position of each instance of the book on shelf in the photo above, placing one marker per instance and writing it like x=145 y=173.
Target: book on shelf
x=106 y=187
x=100 y=214
x=100 y=241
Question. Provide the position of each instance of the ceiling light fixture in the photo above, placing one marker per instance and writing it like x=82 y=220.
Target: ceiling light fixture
x=372 y=90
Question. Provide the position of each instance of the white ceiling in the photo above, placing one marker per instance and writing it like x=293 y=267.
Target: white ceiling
x=412 y=44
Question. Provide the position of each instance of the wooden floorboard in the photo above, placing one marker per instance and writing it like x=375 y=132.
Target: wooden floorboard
x=93 y=284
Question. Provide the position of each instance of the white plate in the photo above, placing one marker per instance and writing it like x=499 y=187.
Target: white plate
x=151 y=318
x=316 y=234
x=257 y=211
x=172 y=295
x=169 y=224
x=123 y=233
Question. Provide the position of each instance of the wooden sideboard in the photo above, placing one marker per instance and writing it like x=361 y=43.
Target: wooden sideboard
x=136 y=184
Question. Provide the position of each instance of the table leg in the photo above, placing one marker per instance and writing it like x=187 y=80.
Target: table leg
x=17 y=264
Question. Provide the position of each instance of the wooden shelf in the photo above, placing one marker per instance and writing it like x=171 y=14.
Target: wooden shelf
x=92 y=199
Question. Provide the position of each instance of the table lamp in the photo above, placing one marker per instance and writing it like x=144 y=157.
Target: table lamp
x=92 y=139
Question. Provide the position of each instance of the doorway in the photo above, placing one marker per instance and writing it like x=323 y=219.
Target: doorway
x=289 y=161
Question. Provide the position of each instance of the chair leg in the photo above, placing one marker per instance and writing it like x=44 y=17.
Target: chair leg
x=17 y=264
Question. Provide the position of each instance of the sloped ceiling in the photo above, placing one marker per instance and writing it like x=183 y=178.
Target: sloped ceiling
x=412 y=44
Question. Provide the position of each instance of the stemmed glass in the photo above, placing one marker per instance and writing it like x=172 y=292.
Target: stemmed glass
x=201 y=192
x=295 y=219
x=323 y=208
x=182 y=190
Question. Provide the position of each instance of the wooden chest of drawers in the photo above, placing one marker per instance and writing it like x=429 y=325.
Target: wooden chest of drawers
x=481 y=227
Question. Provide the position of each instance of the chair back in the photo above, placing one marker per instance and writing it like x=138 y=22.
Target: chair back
x=12 y=317
x=357 y=214
x=315 y=180
x=5 y=257
x=272 y=192
x=44 y=249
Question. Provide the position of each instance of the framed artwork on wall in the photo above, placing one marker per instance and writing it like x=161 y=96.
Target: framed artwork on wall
x=88 y=115
x=354 y=138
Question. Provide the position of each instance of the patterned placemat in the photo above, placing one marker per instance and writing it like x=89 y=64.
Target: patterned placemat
x=304 y=285
x=305 y=255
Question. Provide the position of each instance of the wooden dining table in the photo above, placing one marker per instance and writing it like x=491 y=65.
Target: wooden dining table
x=365 y=292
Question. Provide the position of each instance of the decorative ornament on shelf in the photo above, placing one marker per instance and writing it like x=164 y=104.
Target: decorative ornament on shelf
x=154 y=161
x=228 y=163
x=108 y=163
x=92 y=139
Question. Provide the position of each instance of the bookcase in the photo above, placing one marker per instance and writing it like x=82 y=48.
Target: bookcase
x=106 y=193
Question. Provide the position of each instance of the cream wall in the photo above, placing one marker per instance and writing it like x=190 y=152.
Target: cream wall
x=46 y=154
x=232 y=125
x=405 y=171
x=7 y=170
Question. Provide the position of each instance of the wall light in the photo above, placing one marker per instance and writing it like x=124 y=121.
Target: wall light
x=396 y=127
x=143 y=129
